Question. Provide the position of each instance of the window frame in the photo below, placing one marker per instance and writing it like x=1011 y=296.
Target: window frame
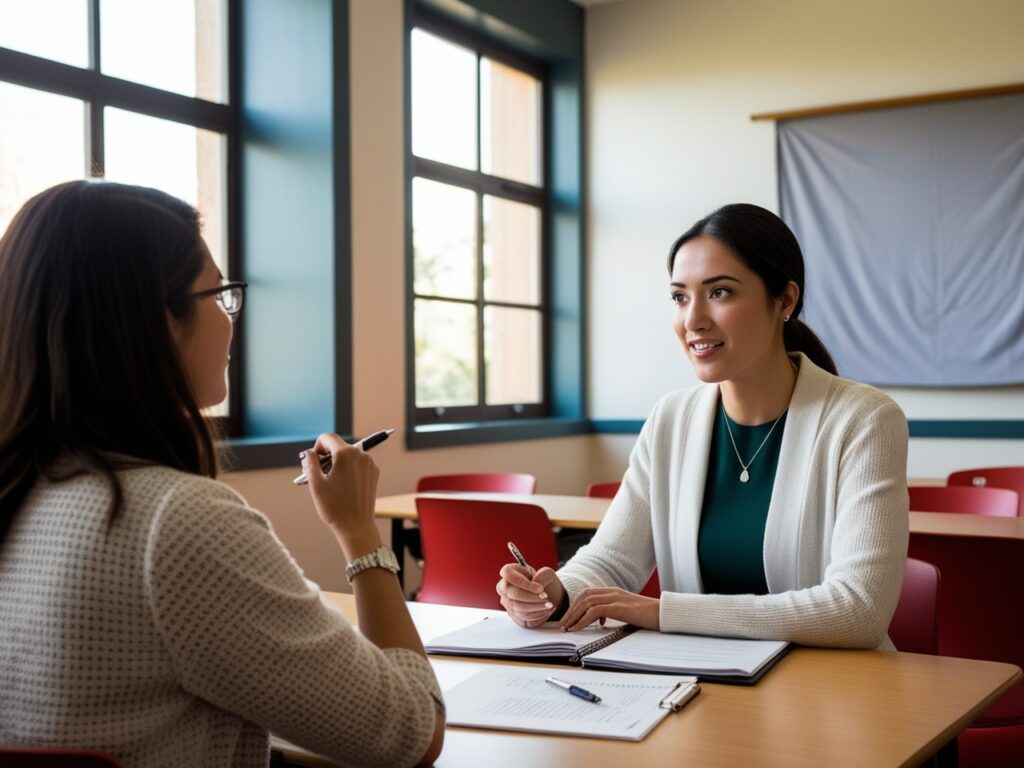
x=98 y=91
x=481 y=184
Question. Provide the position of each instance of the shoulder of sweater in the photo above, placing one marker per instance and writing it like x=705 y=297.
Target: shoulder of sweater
x=170 y=497
x=862 y=399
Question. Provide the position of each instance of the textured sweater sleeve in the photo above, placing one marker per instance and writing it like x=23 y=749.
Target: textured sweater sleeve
x=248 y=634
x=621 y=554
x=854 y=603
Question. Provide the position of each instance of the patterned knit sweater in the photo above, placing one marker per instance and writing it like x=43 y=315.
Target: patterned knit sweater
x=184 y=632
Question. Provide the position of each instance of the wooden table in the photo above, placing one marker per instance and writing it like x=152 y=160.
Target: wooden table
x=816 y=707
x=587 y=513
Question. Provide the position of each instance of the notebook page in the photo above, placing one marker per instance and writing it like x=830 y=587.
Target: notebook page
x=687 y=654
x=500 y=636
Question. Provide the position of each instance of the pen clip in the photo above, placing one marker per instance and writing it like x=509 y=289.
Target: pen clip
x=678 y=696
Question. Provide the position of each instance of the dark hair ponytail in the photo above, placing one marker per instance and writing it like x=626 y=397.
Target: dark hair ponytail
x=769 y=248
x=88 y=273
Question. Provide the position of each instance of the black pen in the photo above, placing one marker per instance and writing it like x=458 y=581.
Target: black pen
x=575 y=690
x=366 y=444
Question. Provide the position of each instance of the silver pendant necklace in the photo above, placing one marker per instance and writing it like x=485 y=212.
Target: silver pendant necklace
x=745 y=475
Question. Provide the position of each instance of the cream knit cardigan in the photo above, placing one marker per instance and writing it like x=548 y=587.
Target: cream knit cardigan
x=835 y=541
x=184 y=632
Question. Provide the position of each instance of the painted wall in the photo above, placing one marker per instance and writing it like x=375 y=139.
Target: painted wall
x=671 y=87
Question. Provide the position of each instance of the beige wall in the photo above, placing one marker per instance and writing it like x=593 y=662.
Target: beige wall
x=671 y=87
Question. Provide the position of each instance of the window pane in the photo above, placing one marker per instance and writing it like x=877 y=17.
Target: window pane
x=511 y=251
x=512 y=353
x=41 y=143
x=443 y=101
x=510 y=123
x=176 y=45
x=446 y=372
x=181 y=160
x=53 y=29
x=443 y=239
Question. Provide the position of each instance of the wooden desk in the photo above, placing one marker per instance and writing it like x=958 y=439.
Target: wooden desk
x=584 y=512
x=816 y=707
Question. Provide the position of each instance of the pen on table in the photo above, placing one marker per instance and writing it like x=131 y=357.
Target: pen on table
x=575 y=690
x=366 y=444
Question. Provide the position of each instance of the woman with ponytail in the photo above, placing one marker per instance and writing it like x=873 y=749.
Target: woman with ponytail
x=145 y=609
x=772 y=498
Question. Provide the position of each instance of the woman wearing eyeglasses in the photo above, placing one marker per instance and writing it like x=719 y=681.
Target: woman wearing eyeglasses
x=772 y=497
x=145 y=609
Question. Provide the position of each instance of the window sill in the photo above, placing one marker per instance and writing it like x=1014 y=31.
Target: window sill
x=477 y=432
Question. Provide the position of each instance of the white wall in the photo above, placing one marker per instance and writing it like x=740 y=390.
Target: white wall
x=671 y=87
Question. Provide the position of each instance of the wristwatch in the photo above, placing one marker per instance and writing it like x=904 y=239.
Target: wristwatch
x=381 y=557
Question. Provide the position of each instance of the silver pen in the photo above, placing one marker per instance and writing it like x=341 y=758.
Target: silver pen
x=575 y=690
x=366 y=444
x=518 y=555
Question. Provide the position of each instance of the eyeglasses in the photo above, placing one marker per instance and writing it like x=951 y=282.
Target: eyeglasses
x=231 y=296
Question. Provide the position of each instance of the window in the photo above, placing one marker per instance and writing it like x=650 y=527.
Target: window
x=478 y=201
x=138 y=93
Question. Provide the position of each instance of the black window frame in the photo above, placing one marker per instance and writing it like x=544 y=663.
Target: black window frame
x=482 y=184
x=98 y=91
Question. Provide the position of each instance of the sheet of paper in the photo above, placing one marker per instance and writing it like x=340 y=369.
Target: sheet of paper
x=516 y=698
x=687 y=654
x=498 y=635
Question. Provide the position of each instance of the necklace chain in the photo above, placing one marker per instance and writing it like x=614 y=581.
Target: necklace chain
x=745 y=475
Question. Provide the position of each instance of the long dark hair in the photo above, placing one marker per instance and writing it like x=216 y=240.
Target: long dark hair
x=88 y=366
x=769 y=248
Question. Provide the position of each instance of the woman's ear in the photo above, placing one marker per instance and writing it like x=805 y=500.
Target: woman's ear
x=787 y=301
x=176 y=327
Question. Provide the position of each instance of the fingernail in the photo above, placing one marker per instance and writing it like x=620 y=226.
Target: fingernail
x=548 y=605
x=543 y=596
x=302 y=455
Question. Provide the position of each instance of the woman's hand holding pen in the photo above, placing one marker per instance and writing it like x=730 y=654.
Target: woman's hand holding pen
x=344 y=495
x=529 y=597
x=596 y=603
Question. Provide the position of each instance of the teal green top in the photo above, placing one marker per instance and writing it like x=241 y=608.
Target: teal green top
x=730 y=543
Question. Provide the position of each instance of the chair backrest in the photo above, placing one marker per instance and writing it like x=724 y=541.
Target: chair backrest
x=465 y=543
x=915 y=625
x=994 y=502
x=982 y=602
x=1011 y=478
x=603 y=490
x=33 y=757
x=491 y=482
x=607 y=491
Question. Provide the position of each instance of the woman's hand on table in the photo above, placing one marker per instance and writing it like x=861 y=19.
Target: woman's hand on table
x=599 y=603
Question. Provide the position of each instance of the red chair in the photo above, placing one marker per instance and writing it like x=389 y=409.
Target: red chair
x=32 y=757
x=982 y=617
x=465 y=544
x=607 y=491
x=603 y=490
x=492 y=482
x=484 y=482
x=1011 y=478
x=915 y=624
x=994 y=502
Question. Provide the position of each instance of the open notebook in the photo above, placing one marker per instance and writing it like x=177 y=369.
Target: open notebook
x=714 y=659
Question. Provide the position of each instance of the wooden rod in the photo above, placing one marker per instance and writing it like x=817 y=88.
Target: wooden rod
x=905 y=101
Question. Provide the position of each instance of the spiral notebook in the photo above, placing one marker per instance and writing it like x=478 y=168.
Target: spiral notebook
x=622 y=647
